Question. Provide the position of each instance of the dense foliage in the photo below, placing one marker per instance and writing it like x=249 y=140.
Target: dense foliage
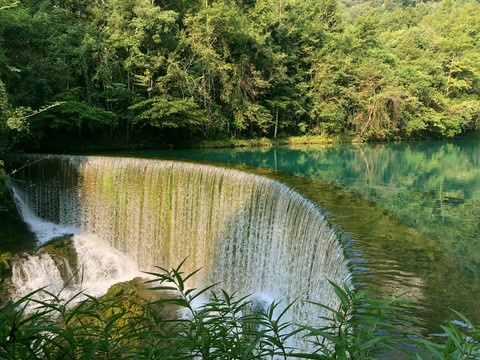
x=122 y=71
x=167 y=70
x=121 y=325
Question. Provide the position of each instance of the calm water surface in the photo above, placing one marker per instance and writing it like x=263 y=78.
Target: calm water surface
x=409 y=213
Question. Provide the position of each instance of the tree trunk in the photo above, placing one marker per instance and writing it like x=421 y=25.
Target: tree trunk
x=276 y=124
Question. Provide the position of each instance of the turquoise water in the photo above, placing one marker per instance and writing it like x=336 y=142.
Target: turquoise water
x=409 y=212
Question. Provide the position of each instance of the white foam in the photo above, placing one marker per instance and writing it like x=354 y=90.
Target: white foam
x=101 y=265
x=35 y=272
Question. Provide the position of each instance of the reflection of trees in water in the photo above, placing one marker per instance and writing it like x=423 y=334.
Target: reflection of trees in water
x=390 y=255
x=434 y=187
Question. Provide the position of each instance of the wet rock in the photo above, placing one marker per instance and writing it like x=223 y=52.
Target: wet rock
x=62 y=251
x=5 y=267
x=5 y=276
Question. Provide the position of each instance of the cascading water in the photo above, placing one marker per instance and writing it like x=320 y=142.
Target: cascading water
x=99 y=267
x=34 y=272
x=251 y=234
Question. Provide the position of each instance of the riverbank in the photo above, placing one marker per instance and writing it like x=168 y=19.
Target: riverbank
x=299 y=140
x=152 y=142
x=266 y=142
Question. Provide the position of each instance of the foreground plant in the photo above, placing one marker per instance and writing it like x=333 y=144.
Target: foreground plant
x=224 y=326
x=186 y=323
x=459 y=342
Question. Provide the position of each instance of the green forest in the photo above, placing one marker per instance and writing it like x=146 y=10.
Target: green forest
x=89 y=75
x=156 y=72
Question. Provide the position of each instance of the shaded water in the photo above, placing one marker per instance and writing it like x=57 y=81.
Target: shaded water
x=252 y=234
x=413 y=224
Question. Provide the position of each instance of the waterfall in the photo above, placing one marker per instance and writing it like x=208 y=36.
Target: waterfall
x=99 y=267
x=251 y=234
x=34 y=272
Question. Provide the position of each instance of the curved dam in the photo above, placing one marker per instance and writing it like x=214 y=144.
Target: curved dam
x=251 y=234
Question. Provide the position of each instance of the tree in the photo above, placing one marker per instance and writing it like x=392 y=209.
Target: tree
x=169 y=112
x=72 y=119
x=12 y=121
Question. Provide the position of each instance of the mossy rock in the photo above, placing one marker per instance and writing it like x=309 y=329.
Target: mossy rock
x=124 y=298
x=5 y=276
x=127 y=308
x=121 y=289
x=134 y=295
x=5 y=266
x=63 y=253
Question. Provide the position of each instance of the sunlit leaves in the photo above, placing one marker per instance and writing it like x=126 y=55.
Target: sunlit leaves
x=371 y=69
x=166 y=111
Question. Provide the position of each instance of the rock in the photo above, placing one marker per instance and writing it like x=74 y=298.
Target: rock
x=62 y=251
x=136 y=293
x=5 y=277
x=127 y=308
x=5 y=267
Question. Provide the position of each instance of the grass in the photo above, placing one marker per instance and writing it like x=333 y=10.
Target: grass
x=223 y=327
